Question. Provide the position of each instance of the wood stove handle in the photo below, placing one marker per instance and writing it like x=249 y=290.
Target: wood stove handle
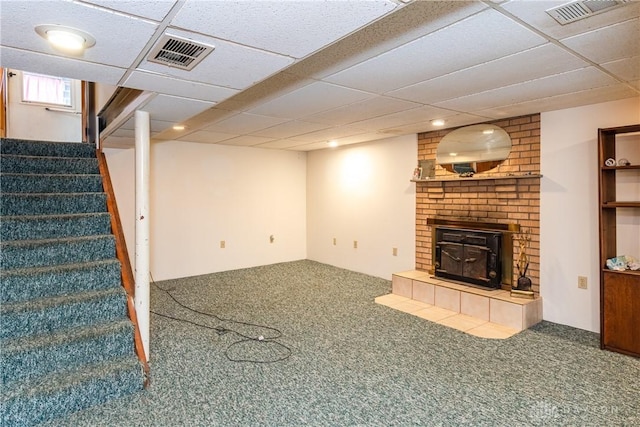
x=451 y=256
x=471 y=260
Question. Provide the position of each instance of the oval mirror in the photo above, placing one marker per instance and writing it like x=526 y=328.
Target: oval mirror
x=475 y=148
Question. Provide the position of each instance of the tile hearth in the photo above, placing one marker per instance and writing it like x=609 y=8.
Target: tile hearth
x=483 y=313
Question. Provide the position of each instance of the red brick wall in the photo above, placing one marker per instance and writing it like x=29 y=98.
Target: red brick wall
x=500 y=201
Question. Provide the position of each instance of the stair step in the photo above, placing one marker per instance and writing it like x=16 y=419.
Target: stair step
x=50 y=183
x=40 y=282
x=51 y=204
x=66 y=342
x=32 y=227
x=29 y=403
x=40 y=253
x=46 y=148
x=31 y=357
x=52 y=314
x=12 y=163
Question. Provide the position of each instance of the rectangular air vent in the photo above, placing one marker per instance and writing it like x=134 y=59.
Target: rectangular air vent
x=178 y=52
x=576 y=10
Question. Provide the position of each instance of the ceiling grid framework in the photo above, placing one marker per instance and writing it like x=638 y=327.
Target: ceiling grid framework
x=295 y=74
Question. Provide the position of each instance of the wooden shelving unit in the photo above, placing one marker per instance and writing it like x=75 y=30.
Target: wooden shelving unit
x=619 y=290
x=478 y=178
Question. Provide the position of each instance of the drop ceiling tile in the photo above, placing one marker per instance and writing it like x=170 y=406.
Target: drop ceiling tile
x=244 y=123
x=100 y=23
x=158 y=125
x=211 y=115
x=281 y=144
x=533 y=13
x=59 y=66
x=363 y=137
x=330 y=134
x=290 y=129
x=635 y=83
x=293 y=28
x=273 y=87
x=559 y=102
x=171 y=86
x=310 y=99
x=627 y=69
x=311 y=147
x=372 y=107
x=128 y=127
x=451 y=121
x=572 y=81
x=397 y=120
x=229 y=65
x=528 y=65
x=609 y=43
x=174 y=109
x=152 y=9
x=407 y=24
x=247 y=140
x=124 y=133
x=206 y=137
x=480 y=38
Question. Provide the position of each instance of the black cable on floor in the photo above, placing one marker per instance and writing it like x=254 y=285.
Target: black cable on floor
x=260 y=340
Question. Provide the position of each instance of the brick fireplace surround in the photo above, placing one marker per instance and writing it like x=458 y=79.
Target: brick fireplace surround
x=503 y=195
x=505 y=198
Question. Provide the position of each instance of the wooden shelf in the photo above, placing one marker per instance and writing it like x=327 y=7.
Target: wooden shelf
x=610 y=205
x=619 y=290
x=477 y=178
x=631 y=272
x=620 y=168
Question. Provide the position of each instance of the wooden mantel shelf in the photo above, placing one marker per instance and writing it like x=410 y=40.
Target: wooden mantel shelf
x=478 y=178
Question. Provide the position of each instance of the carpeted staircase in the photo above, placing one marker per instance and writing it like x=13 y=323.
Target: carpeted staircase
x=66 y=342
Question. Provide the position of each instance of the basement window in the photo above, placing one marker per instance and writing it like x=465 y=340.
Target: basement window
x=47 y=90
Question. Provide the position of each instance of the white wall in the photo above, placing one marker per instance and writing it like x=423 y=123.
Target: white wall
x=122 y=165
x=362 y=192
x=33 y=121
x=202 y=194
x=569 y=244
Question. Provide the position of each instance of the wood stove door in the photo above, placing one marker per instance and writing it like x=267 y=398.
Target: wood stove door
x=475 y=262
x=451 y=256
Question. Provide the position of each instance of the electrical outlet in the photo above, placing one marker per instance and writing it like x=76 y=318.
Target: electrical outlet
x=222 y=244
x=582 y=282
x=272 y=239
x=334 y=241
x=355 y=244
x=395 y=251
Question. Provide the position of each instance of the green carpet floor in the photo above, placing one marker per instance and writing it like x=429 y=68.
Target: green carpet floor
x=347 y=361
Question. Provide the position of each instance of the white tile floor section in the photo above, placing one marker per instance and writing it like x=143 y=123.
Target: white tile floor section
x=462 y=322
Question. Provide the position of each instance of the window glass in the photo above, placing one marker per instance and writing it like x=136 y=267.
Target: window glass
x=41 y=89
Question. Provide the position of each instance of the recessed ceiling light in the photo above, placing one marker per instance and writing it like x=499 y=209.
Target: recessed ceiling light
x=437 y=122
x=332 y=143
x=65 y=39
x=178 y=127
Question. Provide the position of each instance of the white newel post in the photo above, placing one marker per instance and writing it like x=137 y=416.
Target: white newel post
x=143 y=295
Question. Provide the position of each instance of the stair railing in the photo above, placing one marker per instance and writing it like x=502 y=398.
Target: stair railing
x=128 y=281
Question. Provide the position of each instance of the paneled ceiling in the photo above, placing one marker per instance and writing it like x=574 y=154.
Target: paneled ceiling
x=295 y=74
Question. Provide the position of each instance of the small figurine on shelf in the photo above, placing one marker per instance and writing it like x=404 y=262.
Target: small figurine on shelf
x=417 y=174
x=522 y=289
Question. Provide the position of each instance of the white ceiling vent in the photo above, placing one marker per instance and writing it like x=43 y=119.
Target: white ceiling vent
x=178 y=52
x=576 y=10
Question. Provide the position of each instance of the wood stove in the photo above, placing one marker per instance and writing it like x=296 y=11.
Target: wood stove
x=470 y=256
